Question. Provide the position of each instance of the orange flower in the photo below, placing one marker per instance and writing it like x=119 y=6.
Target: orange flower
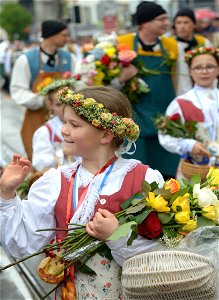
x=127 y=56
x=172 y=185
x=122 y=46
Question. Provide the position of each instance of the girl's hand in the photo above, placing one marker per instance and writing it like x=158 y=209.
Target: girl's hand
x=13 y=175
x=199 y=149
x=103 y=225
x=127 y=73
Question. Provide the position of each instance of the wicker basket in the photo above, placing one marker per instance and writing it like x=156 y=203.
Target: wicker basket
x=188 y=169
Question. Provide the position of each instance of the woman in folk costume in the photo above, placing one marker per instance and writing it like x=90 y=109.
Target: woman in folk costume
x=184 y=24
x=200 y=104
x=97 y=121
x=34 y=66
x=47 y=141
x=155 y=52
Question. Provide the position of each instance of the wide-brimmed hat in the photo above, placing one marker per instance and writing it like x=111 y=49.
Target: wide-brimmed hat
x=164 y=275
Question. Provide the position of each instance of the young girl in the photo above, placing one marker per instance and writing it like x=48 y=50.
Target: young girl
x=96 y=123
x=47 y=140
x=200 y=104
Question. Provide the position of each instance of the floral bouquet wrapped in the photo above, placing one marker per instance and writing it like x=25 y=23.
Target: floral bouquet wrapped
x=167 y=214
x=105 y=62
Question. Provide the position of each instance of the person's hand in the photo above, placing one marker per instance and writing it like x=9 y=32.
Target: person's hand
x=13 y=175
x=127 y=73
x=199 y=149
x=103 y=225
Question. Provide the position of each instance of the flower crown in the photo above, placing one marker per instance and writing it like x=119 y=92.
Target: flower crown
x=99 y=116
x=189 y=55
x=57 y=83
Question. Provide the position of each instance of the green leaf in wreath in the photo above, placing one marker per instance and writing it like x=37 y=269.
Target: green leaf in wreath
x=140 y=218
x=135 y=209
x=127 y=203
x=195 y=179
x=122 y=231
x=170 y=233
x=165 y=217
x=164 y=193
x=146 y=187
x=178 y=194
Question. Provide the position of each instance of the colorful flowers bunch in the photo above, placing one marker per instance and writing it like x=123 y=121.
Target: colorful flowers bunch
x=105 y=62
x=99 y=116
x=189 y=55
x=173 y=126
x=167 y=214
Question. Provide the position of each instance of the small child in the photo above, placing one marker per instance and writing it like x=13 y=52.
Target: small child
x=97 y=121
x=200 y=104
x=47 y=141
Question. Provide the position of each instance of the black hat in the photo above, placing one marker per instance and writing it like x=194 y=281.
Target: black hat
x=52 y=27
x=147 y=11
x=185 y=12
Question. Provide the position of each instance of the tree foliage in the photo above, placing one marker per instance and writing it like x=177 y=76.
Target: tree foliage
x=15 y=18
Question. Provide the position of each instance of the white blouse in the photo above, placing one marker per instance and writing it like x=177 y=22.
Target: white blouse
x=207 y=101
x=21 y=218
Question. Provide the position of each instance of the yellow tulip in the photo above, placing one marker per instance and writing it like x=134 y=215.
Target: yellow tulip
x=209 y=212
x=172 y=185
x=110 y=52
x=213 y=173
x=158 y=203
x=182 y=217
x=183 y=202
x=190 y=226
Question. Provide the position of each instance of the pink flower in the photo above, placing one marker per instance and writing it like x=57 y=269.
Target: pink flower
x=126 y=56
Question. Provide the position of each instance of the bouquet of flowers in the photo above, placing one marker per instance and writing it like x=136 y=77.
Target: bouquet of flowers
x=173 y=126
x=167 y=214
x=105 y=62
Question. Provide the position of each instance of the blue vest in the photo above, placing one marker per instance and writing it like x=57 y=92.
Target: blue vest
x=34 y=63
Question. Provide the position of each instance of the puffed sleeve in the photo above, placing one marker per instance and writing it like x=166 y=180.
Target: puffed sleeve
x=21 y=218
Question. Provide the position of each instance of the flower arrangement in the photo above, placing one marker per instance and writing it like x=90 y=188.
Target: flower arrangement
x=99 y=116
x=189 y=55
x=105 y=62
x=167 y=214
x=172 y=125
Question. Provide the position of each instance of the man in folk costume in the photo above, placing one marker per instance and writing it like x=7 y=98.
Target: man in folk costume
x=155 y=52
x=184 y=25
x=33 y=67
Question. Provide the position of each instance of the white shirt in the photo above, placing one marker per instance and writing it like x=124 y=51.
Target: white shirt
x=21 y=219
x=208 y=104
x=20 y=82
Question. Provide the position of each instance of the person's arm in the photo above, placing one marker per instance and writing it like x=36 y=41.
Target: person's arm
x=43 y=152
x=20 y=85
x=20 y=219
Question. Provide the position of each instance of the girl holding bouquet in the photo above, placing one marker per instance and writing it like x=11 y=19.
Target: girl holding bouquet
x=201 y=105
x=97 y=121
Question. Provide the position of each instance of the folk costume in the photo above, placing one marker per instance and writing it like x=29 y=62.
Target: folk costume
x=30 y=69
x=43 y=210
x=47 y=145
x=161 y=92
x=200 y=105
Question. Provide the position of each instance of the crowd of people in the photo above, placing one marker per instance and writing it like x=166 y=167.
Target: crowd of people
x=88 y=157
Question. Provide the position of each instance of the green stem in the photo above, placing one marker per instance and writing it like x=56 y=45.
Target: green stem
x=172 y=226
x=50 y=292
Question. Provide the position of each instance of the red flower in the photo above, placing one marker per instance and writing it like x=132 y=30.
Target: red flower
x=77 y=76
x=151 y=227
x=66 y=75
x=105 y=60
x=175 y=117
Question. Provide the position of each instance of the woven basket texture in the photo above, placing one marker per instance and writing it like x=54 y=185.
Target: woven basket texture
x=188 y=170
x=164 y=275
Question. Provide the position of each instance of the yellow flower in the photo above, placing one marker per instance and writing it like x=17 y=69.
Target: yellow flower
x=120 y=129
x=96 y=123
x=97 y=63
x=114 y=72
x=106 y=116
x=190 y=226
x=209 y=212
x=183 y=202
x=213 y=173
x=158 y=203
x=110 y=52
x=88 y=102
x=172 y=185
x=182 y=217
x=98 y=78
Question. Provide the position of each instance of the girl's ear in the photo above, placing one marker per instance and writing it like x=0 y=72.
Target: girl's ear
x=107 y=137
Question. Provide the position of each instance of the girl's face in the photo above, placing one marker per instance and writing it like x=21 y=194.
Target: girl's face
x=80 y=137
x=204 y=70
x=55 y=106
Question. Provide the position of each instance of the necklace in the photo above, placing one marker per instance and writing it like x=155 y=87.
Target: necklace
x=212 y=115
